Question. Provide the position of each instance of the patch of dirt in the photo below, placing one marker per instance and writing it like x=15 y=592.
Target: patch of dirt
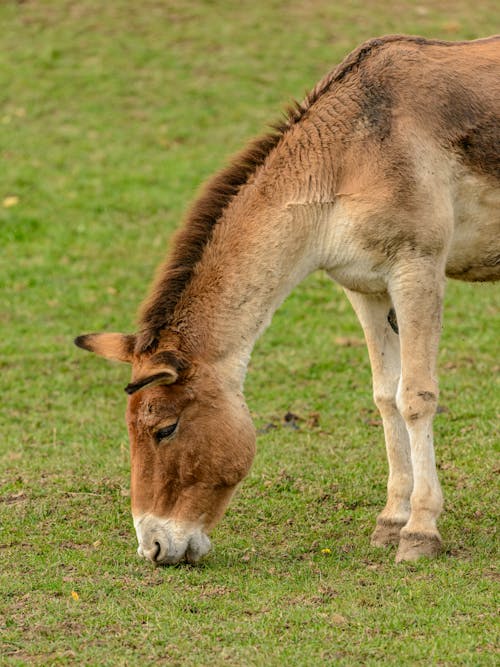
x=292 y=421
x=12 y=498
x=209 y=591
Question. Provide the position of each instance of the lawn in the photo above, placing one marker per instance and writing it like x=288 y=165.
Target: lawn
x=111 y=116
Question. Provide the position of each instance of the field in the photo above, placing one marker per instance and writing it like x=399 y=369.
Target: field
x=111 y=116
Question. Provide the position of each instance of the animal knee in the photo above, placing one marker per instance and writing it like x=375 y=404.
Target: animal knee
x=417 y=404
x=385 y=402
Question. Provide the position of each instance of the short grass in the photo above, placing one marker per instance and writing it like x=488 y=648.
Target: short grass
x=111 y=114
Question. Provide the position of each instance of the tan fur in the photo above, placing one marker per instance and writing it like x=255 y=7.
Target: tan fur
x=387 y=177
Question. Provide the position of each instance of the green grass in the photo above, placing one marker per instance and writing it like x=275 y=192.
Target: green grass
x=111 y=115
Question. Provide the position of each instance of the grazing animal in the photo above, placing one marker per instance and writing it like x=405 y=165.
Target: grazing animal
x=387 y=177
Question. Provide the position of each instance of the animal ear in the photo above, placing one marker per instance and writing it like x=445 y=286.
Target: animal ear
x=162 y=368
x=113 y=346
x=162 y=376
x=165 y=376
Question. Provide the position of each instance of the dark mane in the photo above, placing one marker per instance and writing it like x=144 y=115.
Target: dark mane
x=191 y=239
x=189 y=243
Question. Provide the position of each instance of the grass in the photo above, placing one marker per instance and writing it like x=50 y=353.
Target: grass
x=111 y=115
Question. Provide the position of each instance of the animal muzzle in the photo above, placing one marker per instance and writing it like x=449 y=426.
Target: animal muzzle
x=169 y=541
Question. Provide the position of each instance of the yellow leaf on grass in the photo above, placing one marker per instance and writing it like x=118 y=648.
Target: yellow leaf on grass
x=8 y=202
x=75 y=595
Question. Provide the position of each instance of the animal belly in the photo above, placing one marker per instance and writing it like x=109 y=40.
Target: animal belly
x=475 y=249
x=482 y=265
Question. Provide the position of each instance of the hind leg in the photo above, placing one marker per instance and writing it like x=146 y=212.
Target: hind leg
x=384 y=351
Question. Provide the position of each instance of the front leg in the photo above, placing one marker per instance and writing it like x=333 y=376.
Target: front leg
x=383 y=349
x=417 y=294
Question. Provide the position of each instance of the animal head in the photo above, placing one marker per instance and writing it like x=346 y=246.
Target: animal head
x=191 y=441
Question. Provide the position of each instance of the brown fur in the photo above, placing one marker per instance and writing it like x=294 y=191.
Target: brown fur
x=475 y=138
x=386 y=176
x=202 y=467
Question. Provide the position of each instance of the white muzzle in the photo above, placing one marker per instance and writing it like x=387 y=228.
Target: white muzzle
x=167 y=541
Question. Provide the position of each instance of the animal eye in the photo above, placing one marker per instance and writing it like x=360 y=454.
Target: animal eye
x=165 y=432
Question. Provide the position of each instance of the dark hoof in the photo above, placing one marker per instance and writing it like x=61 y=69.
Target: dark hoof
x=386 y=533
x=413 y=546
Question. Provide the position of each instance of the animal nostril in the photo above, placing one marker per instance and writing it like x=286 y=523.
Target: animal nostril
x=151 y=553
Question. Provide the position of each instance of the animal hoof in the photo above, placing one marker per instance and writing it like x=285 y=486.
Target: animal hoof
x=412 y=546
x=386 y=533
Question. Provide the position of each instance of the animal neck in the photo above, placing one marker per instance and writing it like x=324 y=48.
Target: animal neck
x=259 y=251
